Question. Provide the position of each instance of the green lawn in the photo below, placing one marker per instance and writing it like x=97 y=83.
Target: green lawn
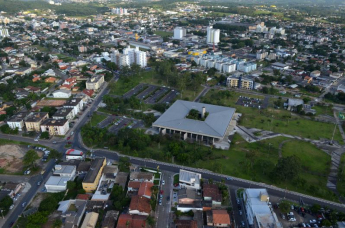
x=323 y=110
x=97 y=118
x=341 y=177
x=276 y=120
x=66 y=58
x=163 y=33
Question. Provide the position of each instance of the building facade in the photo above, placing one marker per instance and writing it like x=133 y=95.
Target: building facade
x=212 y=35
x=55 y=127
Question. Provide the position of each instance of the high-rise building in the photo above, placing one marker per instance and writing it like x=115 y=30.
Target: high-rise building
x=212 y=35
x=119 y=11
x=179 y=33
x=130 y=56
x=4 y=32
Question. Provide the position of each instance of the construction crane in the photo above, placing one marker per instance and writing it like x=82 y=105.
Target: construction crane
x=137 y=37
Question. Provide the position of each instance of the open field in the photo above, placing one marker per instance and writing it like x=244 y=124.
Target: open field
x=276 y=120
x=66 y=58
x=163 y=33
x=341 y=177
x=97 y=118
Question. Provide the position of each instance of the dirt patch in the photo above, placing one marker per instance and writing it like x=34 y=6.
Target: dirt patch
x=11 y=157
x=38 y=199
x=56 y=215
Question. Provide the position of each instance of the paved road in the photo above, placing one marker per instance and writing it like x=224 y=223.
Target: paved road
x=163 y=211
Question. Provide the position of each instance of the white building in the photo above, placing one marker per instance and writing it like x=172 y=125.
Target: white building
x=212 y=35
x=65 y=171
x=55 y=127
x=62 y=93
x=17 y=121
x=188 y=179
x=259 y=213
x=130 y=56
x=56 y=184
x=4 y=32
x=179 y=33
x=76 y=103
x=119 y=11
x=72 y=154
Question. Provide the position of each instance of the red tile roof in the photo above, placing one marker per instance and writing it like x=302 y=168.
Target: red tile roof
x=88 y=92
x=212 y=190
x=131 y=221
x=186 y=224
x=134 y=184
x=83 y=196
x=221 y=217
x=140 y=204
x=145 y=189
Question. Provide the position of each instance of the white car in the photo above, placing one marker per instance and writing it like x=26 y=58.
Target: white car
x=163 y=182
x=12 y=206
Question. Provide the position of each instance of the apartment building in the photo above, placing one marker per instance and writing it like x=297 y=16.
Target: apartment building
x=34 y=120
x=55 y=127
x=93 y=176
x=95 y=82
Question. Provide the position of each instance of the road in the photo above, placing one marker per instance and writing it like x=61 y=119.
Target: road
x=163 y=211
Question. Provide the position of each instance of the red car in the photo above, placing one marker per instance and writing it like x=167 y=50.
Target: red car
x=161 y=192
x=68 y=138
x=69 y=142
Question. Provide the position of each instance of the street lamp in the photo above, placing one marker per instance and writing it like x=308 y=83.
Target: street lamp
x=2 y=214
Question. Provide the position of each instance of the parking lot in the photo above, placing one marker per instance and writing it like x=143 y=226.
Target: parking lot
x=122 y=122
x=252 y=102
x=152 y=94
x=106 y=121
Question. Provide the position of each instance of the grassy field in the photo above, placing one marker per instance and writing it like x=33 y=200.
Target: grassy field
x=65 y=58
x=323 y=110
x=97 y=118
x=163 y=33
x=234 y=162
x=276 y=120
x=341 y=176
x=123 y=85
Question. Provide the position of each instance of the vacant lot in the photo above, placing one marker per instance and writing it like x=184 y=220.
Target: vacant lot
x=97 y=118
x=11 y=158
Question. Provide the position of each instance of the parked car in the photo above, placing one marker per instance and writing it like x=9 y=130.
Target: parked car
x=12 y=206
x=39 y=183
x=24 y=204
x=240 y=212
x=163 y=182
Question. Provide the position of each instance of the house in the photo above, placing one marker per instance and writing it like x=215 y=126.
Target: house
x=279 y=66
x=121 y=179
x=90 y=220
x=139 y=206
x=315 y=73
x=188 y=179
x=141 y=176
x=64 y=113
x=50 y=80
x=95 y=82
x=17 y=121
x=88 y=92
x=258 y=212
x=69 y=83
x=56 y=184
x=187 y=196
x=186 y=224
x=49 y=73
x=145 y=189
x=62 y=93
x=34 y=120
x=110 y=219
x=133 y=186
x=93 y=176
x=195 y=206
x=211 y=193
x=55 y=127
x=131 y=221
x=218 y=218
x=75 y=103
x=72 y=212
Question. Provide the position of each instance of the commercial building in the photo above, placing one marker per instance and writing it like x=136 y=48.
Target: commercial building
x=55 y=127
x=90 y=220
x=212 y=35
x=95 y=82
x=56 y=184
x=34 y=120
x=259 y=213
x=93 y=176
x=72 y=212
x=179 y=33
x=211 y=123
x=188 y=179
x=17 y=121
x=72 y=154
x=65 y=171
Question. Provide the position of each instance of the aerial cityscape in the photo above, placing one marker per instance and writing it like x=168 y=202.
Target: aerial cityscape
x=172 y=114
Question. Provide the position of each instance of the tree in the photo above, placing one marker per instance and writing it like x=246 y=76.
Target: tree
x=30 y=157
x=71 y=185
x=54 y=154
x=5 y=204
x=193 y=63
x=284 y=206
x=151 y=221
x=326 y=223
x=211 y=72
x=287 y=168
x=57 y=223
x=45 y=135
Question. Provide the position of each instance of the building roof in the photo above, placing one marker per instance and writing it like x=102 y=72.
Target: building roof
x=142 y=204
x=63 y=112
x=73 y=152
x=83 y=196
x=294 y=102
x=64 y=169
x=66 y=91
x=145 y=189
x=141 y=176
x=96 y=165
x=212 y=190
x=56 y=180
x=131 y=221
x=188 y=176
x=121 y=179
x=36 y=116
x=18 y=117
x=134 y=184
x=10 y=186
x=90 y=220
x=73 y=102
x=221 y=217
x=184 y=193
x=54 y=122
x=186 y=224
x=110 y=219
x=214 y=125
